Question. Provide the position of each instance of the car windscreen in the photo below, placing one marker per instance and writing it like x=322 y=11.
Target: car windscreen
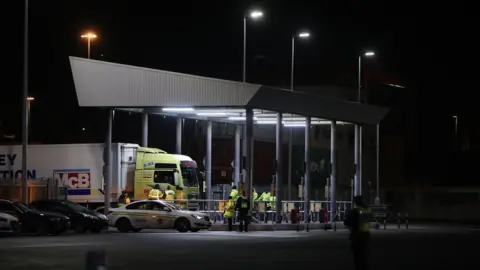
x=76 y=207
x=189 y=173
x=24 y=207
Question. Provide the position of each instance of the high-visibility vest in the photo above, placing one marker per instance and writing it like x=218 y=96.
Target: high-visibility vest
x=229 y=209
x=365 y=216
x=170 y=195
x=234 y=194
x=154 y=194
x=127 y=200
x=244 y=203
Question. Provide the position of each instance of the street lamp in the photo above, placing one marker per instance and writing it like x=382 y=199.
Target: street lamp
x=89 y=37
x=358 y=136
x=256 y=14
x=29 y=100
x=301 y=35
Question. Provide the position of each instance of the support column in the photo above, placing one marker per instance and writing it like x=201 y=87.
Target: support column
x=249 y=153
x=278 y=168
x=145 y=130
x=178 y=147
x=208 y=166
x=108 y=161
x=333 y=170
x=237 y=165
x=377 y=198
x=356 y=181
x=360 y=160
x=290 y=153
x=307 y=167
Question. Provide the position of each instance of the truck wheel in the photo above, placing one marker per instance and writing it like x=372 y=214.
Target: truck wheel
x=182 y=225
x=123 y=225
x=194 y=230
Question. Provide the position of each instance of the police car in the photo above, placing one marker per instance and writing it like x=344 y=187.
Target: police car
x=9 y=223
x=156 y=214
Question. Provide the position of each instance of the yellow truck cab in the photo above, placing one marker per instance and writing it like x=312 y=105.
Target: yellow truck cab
x=155 y=166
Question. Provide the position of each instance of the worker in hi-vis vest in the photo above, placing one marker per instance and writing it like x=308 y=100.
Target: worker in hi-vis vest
x=229 y=212
x=155 y=193
x=358 y=221
x=170 y=194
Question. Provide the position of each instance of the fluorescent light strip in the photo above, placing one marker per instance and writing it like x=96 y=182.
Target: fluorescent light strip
x=178 y=110
x=240 y=118
x=217 y=114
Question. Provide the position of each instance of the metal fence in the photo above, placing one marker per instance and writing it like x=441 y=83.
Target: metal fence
x=264 y=212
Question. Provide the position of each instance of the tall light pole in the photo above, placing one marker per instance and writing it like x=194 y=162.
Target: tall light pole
x=455 y=118
x=359 y=133
x=29 y=101
x=25 y=107
x=89 y=37
x=290 y=137
x=256 y=14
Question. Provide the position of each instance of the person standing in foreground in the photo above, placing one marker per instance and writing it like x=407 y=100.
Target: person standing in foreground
x=358 y=221
x=243 y=206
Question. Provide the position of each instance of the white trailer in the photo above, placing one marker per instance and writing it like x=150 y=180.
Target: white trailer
x=79 y=167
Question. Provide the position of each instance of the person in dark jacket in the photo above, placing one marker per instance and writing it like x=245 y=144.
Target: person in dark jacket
x=242 y=206
x=358 y=221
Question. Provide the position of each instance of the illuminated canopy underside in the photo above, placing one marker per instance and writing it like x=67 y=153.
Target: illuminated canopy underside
x=104 y=84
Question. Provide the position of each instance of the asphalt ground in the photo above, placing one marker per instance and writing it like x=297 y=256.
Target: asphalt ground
x=417 y=248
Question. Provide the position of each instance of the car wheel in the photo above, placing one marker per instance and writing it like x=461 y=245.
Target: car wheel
x=182 y=225
x=194 y=230
x=123 y=225
x=136 y=230
x=43 y=229
x=79 y=228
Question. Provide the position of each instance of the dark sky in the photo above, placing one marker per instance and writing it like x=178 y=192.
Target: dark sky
x=431 y=47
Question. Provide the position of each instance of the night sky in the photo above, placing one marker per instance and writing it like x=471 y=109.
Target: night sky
x=431 y=48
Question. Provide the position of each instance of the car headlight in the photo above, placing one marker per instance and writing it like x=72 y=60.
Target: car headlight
x=89 y=216
x=197 y=216
x=102 y=217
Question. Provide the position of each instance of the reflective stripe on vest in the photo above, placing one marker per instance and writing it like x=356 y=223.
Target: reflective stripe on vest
x=244 y=204
x=365 y=216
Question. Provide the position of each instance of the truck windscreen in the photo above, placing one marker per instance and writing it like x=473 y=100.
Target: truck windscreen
x=189 y=173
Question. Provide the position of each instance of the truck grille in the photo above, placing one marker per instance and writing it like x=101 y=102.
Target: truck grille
x=193 y=201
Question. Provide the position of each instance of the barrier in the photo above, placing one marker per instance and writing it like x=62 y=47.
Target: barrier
x=261 y=211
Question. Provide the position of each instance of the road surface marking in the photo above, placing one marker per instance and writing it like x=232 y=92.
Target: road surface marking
x=59 y=245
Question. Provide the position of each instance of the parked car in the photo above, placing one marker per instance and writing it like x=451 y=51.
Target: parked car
x=9 y=223
x=82 y=218
x=33 y=221
x=156 y=214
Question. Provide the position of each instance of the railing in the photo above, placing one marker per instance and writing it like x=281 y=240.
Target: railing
x=265 y=212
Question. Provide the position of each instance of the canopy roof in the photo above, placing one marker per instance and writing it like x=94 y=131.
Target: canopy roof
x=105 y=84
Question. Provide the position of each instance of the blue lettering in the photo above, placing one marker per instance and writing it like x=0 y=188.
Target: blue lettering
x=31 y=174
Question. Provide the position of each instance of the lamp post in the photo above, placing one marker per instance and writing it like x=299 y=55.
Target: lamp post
x=256 y=14
x=89 y=37
x=301 y=35
x=359 y=133
x=25 y=107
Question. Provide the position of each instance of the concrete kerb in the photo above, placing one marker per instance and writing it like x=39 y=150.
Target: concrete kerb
x=289 y=227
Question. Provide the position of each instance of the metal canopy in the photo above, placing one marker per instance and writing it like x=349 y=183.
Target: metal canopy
x=105 y=84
